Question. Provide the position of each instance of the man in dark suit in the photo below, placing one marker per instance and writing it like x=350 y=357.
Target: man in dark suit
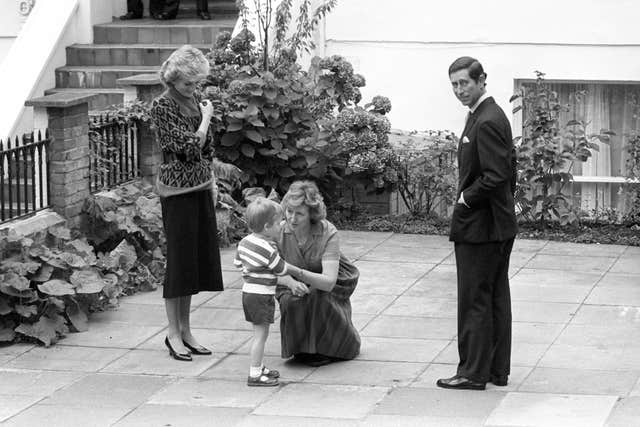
x=483 y=228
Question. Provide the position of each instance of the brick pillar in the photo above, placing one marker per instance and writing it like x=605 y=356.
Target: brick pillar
x=144 y=88
x=68 y=123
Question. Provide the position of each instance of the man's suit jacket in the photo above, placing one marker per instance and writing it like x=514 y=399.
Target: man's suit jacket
x=487 y=177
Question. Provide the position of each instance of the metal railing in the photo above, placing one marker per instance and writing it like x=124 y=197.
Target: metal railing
x=114 y=151
x=24 y=175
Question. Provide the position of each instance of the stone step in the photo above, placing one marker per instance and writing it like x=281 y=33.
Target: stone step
x=122 y=54
x=216 y=8
x=77 y=76
x=103 y=99
x=151 y=31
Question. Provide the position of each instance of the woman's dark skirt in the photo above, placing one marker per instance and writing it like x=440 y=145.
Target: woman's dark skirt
x=193 y=257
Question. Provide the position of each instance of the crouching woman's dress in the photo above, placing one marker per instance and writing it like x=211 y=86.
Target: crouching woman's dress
x=320 y=322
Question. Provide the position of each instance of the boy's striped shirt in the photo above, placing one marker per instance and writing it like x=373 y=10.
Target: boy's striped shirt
x=260 y=263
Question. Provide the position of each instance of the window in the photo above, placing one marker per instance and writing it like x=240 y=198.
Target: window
x=612 y=106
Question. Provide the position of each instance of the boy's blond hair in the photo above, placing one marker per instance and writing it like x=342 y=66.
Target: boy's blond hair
x=262 y=213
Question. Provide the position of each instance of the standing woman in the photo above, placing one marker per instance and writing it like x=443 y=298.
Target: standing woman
x=184 y=184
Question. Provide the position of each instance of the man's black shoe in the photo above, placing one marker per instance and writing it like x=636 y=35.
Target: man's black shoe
x=458 y=382
x=130 y=15
x=204 y=16
x=499 y=380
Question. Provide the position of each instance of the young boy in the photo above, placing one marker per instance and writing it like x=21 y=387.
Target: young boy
x=260 y=262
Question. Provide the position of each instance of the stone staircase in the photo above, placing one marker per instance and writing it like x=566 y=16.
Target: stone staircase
x=126 y=48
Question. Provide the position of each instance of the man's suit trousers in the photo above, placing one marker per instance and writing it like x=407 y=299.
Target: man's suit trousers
x=484 y=309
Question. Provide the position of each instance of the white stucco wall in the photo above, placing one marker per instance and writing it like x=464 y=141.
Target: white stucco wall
x=405 y=47
x=10 y=24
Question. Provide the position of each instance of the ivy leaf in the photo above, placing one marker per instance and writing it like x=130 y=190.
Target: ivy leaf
x=270 y=93
x=125 y=253
x=20 y=268
x=82 y=248
x=60 y=232
x=46 y=329
x=43 y=274
x=235 y=125
x=229 y=139
x=248 y=150
x=4 y=307
x=7 y=334
x=285 y=172
x=26 y=310
x=57 y=287
x=110 y=285
x=16 y=286
x=290 y=127
x=87 y=281
x=253 y=135
x=77 y=317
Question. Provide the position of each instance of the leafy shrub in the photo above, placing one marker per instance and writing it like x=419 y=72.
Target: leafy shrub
x=280 y=122
x=546 y=154
x=427 y=172
x=632 y=187
x=49 y=286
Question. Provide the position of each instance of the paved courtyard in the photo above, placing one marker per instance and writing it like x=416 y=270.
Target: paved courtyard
x=576 y=351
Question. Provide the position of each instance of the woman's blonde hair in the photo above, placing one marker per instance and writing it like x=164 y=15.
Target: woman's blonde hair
x=306 y=193
x=186 y=62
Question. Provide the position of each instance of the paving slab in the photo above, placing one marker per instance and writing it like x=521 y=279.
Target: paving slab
x=527 y=409
x=155 y=362
x=182 y=415
x=112 y=335
x=320 y=400
x=600 y=335
x=535 y=333
x=133 y=314
x=626 y=413
x=419 y=241
x=582 y=249
x=616 y=289
x=421 y=306
x=66 y=358
x=543 y=312
x=608 y=315
x=235 y=367
x=407 y=254
x=436 y=371
x=382 y=278
x=626 y=264
x=580 y=381
x=368 y=303
x=13 y=404
x=67 y=416
x=219 y=318
x=106 y=390
x=230 y=298
x=280 y=421
x=217 y=340
x=611 y=358
x=439 y=403
x=368 y=373
x=34 y=383
x=212 y=392
x=401 y=349
x=571 y=263
x=522 y=354
x=411 y=327
x=420 y=421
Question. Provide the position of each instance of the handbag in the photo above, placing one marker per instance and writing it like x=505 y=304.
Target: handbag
x=348 y=275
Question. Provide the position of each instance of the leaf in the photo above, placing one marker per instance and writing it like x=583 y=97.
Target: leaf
x=26 y=310
x=256 y=122
x=235 y=125
x=16 y=286
x=20 y=268
x=46 y=329
x=514 y=97
x=57 y=287
x=7 y=334
x=125 y=253
x=43 y=274
x=253 y=135
x=285 y=172
x=516 y=109
x=110 y=285
x=87 y=281
x=248 y=150
x=229 y=139
x=290 y=127
x=61 y=232
x=82 y=248
x=4 y=307
x=77 y=317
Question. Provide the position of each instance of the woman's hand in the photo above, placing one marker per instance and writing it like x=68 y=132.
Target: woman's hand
x=297 y=288
x=206 y=107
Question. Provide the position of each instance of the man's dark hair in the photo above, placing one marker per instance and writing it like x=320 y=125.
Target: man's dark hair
x=468 y=63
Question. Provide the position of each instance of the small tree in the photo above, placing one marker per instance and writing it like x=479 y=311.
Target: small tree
x=547 y=152
x=279 y=122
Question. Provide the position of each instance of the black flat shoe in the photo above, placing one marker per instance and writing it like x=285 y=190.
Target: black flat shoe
x=199 y=350
x=205 y=16
x=499 y=380
x=458 y=382
x=183 y=357
x=318 y=360
x=130 y=15
x=161 y=16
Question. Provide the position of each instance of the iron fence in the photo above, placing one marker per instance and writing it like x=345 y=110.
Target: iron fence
x=113 y=147
x=24 y=175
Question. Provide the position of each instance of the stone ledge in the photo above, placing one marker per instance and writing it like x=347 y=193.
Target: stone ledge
x=60 y=100
x=34 y=225
x=150 y=79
